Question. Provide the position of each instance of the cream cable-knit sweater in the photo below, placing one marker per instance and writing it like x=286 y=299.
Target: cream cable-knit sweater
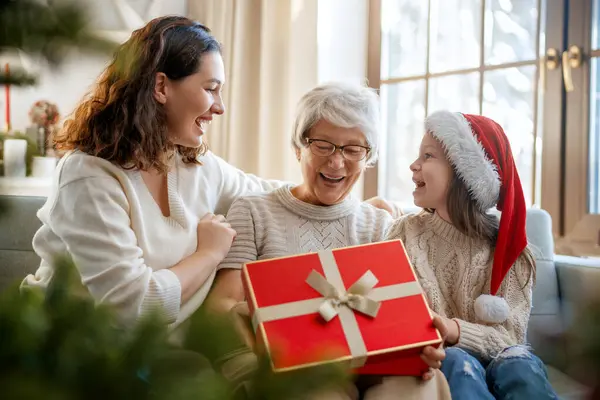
x=454 y=270
x=277 y=224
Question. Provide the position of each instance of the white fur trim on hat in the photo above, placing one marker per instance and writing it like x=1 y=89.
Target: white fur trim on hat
x=467 y=155
x=491 y=309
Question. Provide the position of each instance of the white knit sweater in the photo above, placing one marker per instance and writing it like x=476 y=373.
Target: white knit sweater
x=454 y=270
x=277 y=224
x=123 y=246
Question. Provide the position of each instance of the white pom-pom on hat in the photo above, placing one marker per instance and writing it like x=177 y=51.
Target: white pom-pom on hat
x=491 y=309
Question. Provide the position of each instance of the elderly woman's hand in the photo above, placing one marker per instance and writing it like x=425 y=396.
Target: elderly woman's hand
x=243 y=325
x=239 y=364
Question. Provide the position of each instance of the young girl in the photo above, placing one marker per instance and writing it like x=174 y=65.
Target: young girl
x=477 y=273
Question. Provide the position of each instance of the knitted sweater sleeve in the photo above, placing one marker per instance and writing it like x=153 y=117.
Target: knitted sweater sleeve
x=243 y=249
x=90 y=215
x=488 y=340
x=234 y=183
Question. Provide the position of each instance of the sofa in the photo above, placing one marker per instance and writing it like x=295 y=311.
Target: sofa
x=563 y=284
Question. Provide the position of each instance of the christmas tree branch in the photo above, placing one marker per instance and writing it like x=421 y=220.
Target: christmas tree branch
x=61 y=344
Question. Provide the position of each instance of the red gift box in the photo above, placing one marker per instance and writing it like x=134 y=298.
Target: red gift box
x=362 y=305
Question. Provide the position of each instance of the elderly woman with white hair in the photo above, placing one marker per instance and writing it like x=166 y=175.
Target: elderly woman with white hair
x=335 y=137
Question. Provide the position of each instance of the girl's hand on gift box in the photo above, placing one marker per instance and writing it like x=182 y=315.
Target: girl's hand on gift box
x=449 y=329
x=434 y=356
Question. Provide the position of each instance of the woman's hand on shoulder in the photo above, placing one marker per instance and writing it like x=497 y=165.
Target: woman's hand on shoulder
x=215 y=236
x=383 y=204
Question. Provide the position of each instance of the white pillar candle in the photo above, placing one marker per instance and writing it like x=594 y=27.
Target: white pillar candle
x=15 y=151
x=43 y=167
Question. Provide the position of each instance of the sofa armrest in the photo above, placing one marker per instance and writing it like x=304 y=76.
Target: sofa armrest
x=579 y=279
x=567 y=261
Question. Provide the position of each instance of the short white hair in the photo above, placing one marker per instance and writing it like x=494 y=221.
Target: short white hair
x=341 y=104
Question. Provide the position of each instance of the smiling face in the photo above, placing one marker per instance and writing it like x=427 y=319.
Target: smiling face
x=190 y=103
x=328 y=180
x=432 y=174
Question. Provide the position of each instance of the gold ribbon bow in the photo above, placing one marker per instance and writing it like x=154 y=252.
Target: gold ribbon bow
x=356 y=297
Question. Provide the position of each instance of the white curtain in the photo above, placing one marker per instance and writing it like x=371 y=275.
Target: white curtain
x=270 y=55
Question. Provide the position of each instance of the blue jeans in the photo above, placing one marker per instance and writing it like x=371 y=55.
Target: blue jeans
x=515 y=373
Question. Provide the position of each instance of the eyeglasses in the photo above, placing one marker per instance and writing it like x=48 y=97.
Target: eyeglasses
x=351 y=152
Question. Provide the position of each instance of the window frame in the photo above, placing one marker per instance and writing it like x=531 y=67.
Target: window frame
x=552 y=165
x=580 y=233
x=563 y=178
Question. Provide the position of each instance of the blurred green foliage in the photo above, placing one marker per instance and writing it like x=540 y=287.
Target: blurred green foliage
x=61 y=345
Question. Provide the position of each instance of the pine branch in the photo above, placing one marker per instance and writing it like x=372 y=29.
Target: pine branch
x=61 y=345
x=214 y=337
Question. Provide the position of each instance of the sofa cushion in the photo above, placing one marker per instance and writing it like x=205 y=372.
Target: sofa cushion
x=15 y=265
x=579 y=280
x=19 y=223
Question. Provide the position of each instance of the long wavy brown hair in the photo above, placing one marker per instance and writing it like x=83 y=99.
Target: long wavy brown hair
x=120 y=120
x=469 y=219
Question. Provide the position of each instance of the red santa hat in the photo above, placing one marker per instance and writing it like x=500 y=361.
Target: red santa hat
x=480 y=153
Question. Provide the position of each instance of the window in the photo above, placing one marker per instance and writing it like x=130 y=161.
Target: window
x=497 y=58
x=580 y=222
